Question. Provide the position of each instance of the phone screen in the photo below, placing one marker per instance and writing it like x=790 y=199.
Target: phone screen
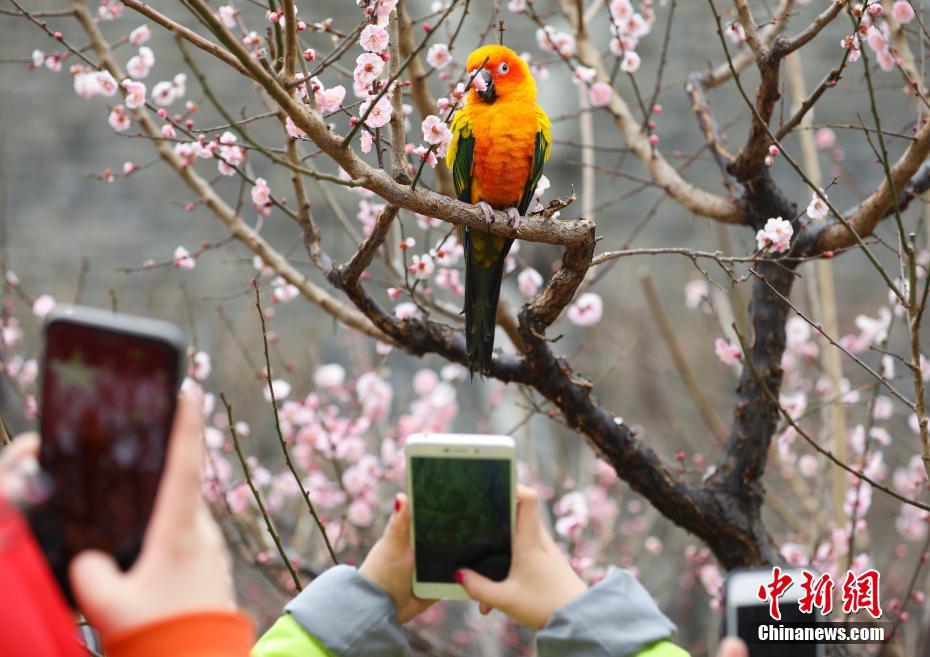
x=461 y=517
x=108 y=401
x=750 y=617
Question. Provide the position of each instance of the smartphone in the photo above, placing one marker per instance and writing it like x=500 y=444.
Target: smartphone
x=463 y=504
x=745 y=612
x=108 y=391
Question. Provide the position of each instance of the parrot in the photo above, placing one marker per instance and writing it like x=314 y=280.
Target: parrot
x=500 y=140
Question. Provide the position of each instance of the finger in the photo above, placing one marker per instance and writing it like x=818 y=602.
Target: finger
x=180 y=483
x=485 y=609
x=480 y=588
x=23 y=446
x=731 y=646
x=96 y=579
x=529 y=525
x=398 y=527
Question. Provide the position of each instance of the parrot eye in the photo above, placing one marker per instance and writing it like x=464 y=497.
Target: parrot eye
x=503 y=68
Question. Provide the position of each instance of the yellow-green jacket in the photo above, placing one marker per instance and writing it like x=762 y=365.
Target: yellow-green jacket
x=342 y=614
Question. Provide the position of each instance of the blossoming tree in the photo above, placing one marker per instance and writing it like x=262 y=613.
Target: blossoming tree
x=355 y=107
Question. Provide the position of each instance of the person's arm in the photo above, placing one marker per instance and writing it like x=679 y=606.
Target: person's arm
x=615 y=618
x=353 y=613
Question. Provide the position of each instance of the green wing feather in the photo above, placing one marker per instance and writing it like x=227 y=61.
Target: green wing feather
x=540 y=155
x=460 y=155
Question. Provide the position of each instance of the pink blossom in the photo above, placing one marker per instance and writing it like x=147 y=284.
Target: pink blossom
x=280 y=387
x=293 y=130
x=422 y=266
x=200 y=366
x=776 y=235
x=528 y=281
x=367 y=141
x=383 y=9
x=817 y=209
x=375 y=395
x=435 y=131
x=53 y=63
x=43 y=305
x=883 y=408
x=374 y=38
x=86 y=84
x=729 y=354
x=38 y=58
x=902 y=11
x=630 y=63
x=282 y=291
x=424 y=381
x=587 y=310
x=887 y=60
x=368 y=67
x=135 y=93
x=600 y=94
x=139 y=65
x=183 y=259
x=227 y=14
x=405 y=310
x=807 y=465
x=163 y=93
x=439 y=56
x=140 y=35
x=360 y=514
x=329 y=376
x=695 y=292
x=251 y=40
x=516 y=6
x=825 y=138
x=621 y=9
x=118 y=119
x=331 y=99
x=380 y=114
x=261 y=193
x=426 y=154
x=230 y=154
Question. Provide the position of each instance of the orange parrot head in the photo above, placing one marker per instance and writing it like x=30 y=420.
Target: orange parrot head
x=504 y=76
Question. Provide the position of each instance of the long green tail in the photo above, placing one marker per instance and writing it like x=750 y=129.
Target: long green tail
x=484 y=271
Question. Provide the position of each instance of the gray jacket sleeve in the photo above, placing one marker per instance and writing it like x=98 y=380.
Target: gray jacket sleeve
x=615 y=618
x=349 y=615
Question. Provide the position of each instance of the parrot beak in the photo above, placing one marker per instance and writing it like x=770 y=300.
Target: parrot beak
x=484 y=85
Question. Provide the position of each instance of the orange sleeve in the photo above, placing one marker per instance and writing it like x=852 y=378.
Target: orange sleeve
x=206 y=634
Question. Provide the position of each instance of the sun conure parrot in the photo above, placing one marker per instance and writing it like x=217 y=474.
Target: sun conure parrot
x=500 y=140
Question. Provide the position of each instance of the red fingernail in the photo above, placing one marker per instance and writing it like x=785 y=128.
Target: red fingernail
x=396 y=504
x=459 y=576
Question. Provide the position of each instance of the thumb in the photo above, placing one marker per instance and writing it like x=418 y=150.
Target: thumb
x=480 y=588
x=732 y=647
x=398 y=527
x=96 y=579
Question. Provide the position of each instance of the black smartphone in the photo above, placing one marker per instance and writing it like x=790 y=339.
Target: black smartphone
x=108 y=391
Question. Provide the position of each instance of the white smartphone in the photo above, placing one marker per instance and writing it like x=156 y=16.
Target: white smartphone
x=463 y=503
x=745 y=612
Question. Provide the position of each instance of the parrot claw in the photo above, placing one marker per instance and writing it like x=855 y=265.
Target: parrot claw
x=513 y=218
x=487 y=211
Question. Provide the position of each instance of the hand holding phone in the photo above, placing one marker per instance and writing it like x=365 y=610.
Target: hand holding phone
x=540 y=581
x=463 y=506
x=108 y=391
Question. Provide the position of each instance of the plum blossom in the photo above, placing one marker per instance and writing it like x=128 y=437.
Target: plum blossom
x=106 y=84
x=200 y=366
x=405 y=310
x=817 y=208
x=825 y=138
x=183 y=259
x=422 y=266
x=118 y=119
x=360 y=514
x=696 y=291
x=330 y=100
x=516 y=6
x=231 y=155
x=600 y=94
x=261 y=193
x=383 y=9
x=53 y=63
x=227 y=14
x=139 y=65
x=631 y=62
x=621 y=9
x=38 y=58
x=368 y=67
x=902 y=11
x=436 y=133
x=280 y=388
x=776 y=235
x=43 y=305
x=331 y=375
x=729 y=354
x=380 y=114
x=528 y=281
x=439 y=56
x=293 y=130
x=367 y=141
x=375 y=395
x=587 y=310
x=374 y=38
x=551 y=41
x=282 y=291
x=163 y=93
x=140 y=35
x=135 y=93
